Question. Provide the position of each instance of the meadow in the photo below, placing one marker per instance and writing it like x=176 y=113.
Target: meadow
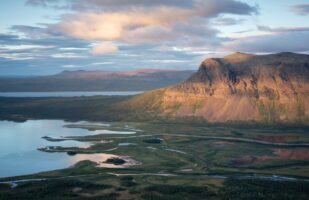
x=178 y=161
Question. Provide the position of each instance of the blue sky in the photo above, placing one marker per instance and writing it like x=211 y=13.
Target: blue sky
x=39 y=37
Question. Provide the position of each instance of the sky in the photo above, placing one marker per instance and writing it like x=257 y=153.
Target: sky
x=42 y=37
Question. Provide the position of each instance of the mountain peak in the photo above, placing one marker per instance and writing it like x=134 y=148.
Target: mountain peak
x=211 y=62
x=238 y=57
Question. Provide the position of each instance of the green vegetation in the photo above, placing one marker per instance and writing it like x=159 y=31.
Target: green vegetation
x=127 y=181
x=115 y=161
x=56 y=189
x=189 y=164
x=153 y=141
x=177 y=159
x=71 y=153
x=115 y=108
x=176 y=192
x=70 y=108
x=264 y=189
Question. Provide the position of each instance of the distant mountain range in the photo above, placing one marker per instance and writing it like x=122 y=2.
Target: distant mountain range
x=130 y=80
x=238 y=87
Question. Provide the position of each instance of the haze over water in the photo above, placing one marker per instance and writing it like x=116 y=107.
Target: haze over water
x=66 y=94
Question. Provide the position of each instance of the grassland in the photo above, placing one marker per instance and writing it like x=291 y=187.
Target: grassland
x=180 y=161
x=109 y=109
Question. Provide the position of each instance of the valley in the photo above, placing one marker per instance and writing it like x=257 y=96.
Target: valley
x=172 y=161
x=236 y=129
x=154 y=100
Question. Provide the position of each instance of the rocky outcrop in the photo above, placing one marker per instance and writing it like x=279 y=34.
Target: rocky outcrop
x=241 y=87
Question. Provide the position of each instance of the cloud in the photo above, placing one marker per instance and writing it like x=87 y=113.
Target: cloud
x=139 y=28
x=33 y=35
x=15 y=57
x=282 y=29
x=7 y=38
x=99 y=5
x=156 y=22
x=212 y=8
x=56 y=4
x=168 y=61
x=265 y=31
x=102 y=63
x=43 y=3
x=34 y=31
x=149 y=34
x=71 y=66
x=291 y=39
x=67 y=55
x=104 y=49
x=114 y=25
x=138 y=22
x=23 y=47
x=125 y=4
x=208 y=6
x=227 y=21
x=300 y=9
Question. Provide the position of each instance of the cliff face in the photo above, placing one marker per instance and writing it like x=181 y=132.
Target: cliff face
x=241 y=87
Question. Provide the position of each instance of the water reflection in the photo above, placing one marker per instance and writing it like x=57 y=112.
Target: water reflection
x=108 y=132
x=19 y=143
x=100 y=159
x=27 y=136
x=97 y=129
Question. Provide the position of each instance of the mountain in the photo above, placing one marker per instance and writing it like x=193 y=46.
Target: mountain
x=239 y=87
x=130 y=80
x=82 y=74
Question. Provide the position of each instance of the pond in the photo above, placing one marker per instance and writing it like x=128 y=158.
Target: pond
x=19 y=143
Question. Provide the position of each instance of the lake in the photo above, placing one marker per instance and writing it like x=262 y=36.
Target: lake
x=66 y=94
x=19 y=143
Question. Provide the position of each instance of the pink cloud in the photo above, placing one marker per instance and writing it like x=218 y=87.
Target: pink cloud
x=143 y=24
x=115 y=25
x=104 y=49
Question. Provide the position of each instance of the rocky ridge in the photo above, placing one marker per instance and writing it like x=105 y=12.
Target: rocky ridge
x=238 y=87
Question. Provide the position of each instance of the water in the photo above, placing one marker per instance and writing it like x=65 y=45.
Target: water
x=19 y=143
x=66 y=94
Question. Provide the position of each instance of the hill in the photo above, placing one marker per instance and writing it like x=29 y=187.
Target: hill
x=130 y=80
